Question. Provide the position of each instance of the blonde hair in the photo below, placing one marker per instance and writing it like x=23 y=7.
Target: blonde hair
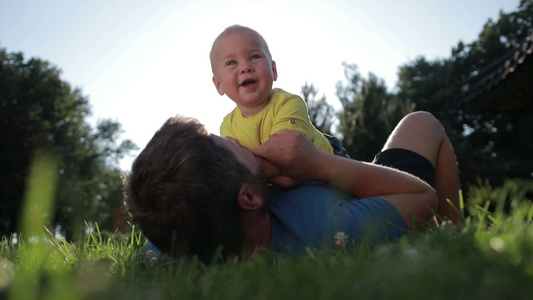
x=235 y=28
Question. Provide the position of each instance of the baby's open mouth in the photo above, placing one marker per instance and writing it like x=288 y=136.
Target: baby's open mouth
x=248 y=82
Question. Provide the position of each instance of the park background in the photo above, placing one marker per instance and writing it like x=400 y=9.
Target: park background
x=140 y=62
x=84 y=84
x=91 y=81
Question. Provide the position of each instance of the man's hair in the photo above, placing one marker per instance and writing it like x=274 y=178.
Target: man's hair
x=234 y=28
x=182 y=192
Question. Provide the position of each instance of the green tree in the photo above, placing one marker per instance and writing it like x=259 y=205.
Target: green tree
x=489 y=143
x=321 y=113
x=369 y=113
x=42 y=112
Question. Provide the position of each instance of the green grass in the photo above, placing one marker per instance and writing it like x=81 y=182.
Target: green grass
x=491 y=257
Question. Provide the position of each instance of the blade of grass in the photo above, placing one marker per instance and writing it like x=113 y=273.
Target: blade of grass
x=37 y=210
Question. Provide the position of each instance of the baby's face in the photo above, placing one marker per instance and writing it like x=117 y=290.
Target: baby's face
x=243 y=69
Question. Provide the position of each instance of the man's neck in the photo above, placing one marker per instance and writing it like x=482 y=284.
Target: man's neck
x=258 y=235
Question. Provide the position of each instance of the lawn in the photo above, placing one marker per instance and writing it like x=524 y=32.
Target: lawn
x=490 y=257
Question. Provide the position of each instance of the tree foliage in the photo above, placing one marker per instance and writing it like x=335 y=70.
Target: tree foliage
x=41 y=112
x=494 y=143
x=321 y=113
x=369 y=113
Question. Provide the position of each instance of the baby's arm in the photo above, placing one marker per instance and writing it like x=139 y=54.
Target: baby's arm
x=291 y=114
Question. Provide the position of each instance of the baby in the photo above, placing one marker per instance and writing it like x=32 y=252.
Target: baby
x=243 y=69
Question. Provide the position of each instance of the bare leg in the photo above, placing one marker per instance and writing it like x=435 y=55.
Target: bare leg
x=422 y=133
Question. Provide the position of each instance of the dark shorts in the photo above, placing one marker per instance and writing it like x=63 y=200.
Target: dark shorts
x=336 y=144
x=407 y=161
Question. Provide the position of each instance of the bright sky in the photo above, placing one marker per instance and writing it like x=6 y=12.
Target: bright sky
x=140 y=62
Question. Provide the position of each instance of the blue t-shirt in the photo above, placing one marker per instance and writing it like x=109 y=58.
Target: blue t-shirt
x=311 y=214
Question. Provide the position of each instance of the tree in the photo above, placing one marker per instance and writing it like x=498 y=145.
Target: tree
x=369 y=113
x=321 y=113
x=484 y=140
x=40 y=111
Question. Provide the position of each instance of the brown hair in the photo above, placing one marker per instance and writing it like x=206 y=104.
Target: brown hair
x=182 y=192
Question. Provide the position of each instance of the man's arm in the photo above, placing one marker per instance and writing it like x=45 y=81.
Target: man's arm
x=300 y=161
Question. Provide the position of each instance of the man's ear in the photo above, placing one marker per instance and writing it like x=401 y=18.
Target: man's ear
x=274 y=70
x=220 y=90
x=249 y=197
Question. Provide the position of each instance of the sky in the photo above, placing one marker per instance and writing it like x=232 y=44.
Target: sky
x=140 y=62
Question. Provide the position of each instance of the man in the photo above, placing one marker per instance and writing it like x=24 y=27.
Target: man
x=192 y=193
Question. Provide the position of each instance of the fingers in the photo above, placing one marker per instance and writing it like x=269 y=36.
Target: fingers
x=268 y=168
x=279 y=145
x=268 y=151
x=272 y=146
x=292 y=153
x=283 y=181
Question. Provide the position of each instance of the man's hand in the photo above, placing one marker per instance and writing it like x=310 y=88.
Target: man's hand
x=268 y=168
x=294 y=154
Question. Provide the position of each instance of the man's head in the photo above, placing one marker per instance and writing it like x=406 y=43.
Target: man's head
x=242 y=66
x=183 y=191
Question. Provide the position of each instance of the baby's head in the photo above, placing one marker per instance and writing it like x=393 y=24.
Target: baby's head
x=243 y=67
x=238 y=29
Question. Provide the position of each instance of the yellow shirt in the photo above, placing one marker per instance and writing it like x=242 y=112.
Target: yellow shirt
x=283 y=111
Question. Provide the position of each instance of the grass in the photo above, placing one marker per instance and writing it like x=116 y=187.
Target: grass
x=491 y=257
